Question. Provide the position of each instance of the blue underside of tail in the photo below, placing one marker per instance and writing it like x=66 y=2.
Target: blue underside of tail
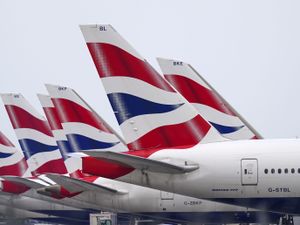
x=4 y=155
x=31 y=147
x=85 y=143
x=225 y=129
x=127 y=106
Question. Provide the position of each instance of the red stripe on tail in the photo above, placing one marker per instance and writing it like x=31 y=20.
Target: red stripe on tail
x=53 y=118
x=195 y=93
x=23 y=119
x=69 y=111
x=113 y=61
x=171 y=136
x=14 y=188
x=53 y=166
x=5 y=141
x=17 y=169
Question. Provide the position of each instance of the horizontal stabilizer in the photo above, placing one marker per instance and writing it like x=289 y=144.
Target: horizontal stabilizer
x=25 y=181
x=143 y=163
x=76 y=185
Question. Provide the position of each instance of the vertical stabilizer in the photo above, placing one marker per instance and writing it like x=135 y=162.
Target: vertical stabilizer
x=34 y=135
x=12 y=160
x=151 y=114
x=206 y=100
x=84 y=129
x=73 y=164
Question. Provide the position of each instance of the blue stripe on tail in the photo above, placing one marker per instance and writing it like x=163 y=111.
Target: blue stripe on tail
x=127 y=106
x=225 y=129
x=31 y=147
x=84 y=143
x=65 y=148
x=5 y=155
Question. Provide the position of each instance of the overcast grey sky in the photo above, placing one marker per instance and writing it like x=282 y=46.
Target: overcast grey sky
x=248 y=50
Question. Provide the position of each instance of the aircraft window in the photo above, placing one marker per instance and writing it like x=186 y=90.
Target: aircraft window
x=293 y=170
x=298 y=170
x=272 y=170
x=266 y=171
x=286 y=170
x=279 y=171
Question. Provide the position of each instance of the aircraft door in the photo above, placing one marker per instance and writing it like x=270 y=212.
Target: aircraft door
x=249 y=171
x=166 y=195
x=166 y=201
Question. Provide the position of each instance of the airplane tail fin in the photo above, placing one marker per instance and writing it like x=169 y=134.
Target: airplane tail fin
x=12 y=161
x=206 y=100
x=84 y=129
x=73 y=164
x=34 y=135
x=149 y=111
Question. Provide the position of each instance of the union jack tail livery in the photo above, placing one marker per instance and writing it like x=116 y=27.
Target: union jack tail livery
x=84 y=129
x=206 y=100
x=34 y=135
x=73 y=164
x=12 y=161
x=150 y=112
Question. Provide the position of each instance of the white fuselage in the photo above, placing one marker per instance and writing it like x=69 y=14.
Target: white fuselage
x=237 y=172
x=165 y=206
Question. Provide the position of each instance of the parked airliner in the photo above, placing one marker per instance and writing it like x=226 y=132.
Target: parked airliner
x=86 y=131
x=253 y=173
